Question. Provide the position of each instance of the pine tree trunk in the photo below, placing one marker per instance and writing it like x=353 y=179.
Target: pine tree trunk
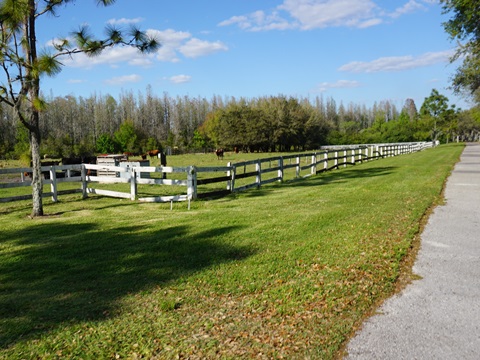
x=37 y=183
x=34 y=128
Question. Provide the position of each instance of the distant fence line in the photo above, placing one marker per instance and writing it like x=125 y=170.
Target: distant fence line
x=261 y=171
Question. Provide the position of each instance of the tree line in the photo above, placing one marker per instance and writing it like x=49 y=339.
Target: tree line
x=77 y=126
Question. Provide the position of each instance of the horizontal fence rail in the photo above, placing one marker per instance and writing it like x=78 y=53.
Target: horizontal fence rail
x=236 y=177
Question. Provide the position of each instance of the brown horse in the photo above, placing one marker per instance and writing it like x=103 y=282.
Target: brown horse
x=219 y=153
x=153 y=153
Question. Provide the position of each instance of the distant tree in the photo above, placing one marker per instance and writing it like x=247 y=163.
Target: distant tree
x=105 y=144
x=21 y=147
x=126 y=137
x=23 y=65
x=410 y=109
x=209 y=128
x=231 y=126
x=435 y=108
x=152 y=144
x=198 y=141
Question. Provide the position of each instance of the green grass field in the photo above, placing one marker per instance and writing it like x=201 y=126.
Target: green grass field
x=289 y=270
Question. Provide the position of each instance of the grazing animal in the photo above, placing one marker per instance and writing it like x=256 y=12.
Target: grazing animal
x=153 y=153
x=46 y=174
x=81 y=160
x=144 y=156
x=219 y=153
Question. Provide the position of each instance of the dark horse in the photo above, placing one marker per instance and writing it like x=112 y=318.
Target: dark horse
x=219 y=153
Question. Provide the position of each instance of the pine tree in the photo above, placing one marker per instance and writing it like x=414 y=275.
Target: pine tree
x=24 y=65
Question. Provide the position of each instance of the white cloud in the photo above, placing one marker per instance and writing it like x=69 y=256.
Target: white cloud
x=120 y=80
x=195 y=47
x=170 y=40
x=314 y=14
x=142 y=61
x=180 y=79
x=258 y=21
x=410 y=7
x=340 y=84
x=397 y=63
x=175 y=42
x=369 y=23
x=124 y=21
x=242 y=21
x=323 y=13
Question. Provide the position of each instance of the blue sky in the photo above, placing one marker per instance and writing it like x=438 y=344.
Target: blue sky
x=354 y=51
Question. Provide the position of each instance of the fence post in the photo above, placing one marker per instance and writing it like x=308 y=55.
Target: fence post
x=353 y=156
x=325 y=160
x=313 y=169
x=336 y=160
x=258 y=169
x=297 y=168
x=84 y=182
x=191 y=182
x=133 y=183
x=344 y=158
x=229 y=174
x=280 y=168
x=53 y=184
x=234 y=173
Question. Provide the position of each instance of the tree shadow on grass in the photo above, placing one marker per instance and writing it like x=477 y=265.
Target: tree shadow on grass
x=67 y=273
x=343 y=175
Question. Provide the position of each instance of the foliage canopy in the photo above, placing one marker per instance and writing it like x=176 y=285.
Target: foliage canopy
x=464 y=26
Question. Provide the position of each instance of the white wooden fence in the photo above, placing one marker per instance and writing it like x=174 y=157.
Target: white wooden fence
x=260 y=171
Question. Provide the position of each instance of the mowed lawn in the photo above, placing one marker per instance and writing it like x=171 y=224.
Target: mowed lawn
x=286 y=271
